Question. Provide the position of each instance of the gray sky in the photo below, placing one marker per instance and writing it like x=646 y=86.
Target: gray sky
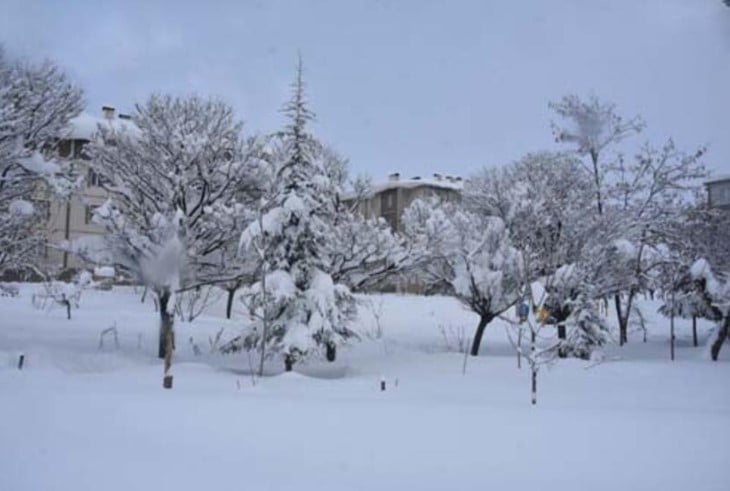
x=415 y=86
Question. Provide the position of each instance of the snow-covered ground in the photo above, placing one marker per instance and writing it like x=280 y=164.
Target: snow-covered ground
x=78 y=417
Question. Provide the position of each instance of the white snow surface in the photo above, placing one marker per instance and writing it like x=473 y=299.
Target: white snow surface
x=78 y=417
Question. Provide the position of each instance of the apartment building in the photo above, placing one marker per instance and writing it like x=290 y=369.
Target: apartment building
x=71 y=219
x=718 y=192
x=391 y=198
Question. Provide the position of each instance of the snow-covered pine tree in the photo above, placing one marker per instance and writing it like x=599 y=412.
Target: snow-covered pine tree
x=36 y=103
x=470 y=255
x=296 y=306
x=177 y=180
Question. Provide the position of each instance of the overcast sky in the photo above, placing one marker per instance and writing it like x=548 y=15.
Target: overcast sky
x=410 y=86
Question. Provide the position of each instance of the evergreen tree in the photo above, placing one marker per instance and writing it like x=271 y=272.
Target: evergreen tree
x=296 y=306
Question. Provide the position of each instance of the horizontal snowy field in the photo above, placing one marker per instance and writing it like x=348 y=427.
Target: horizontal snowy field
x=78 y=417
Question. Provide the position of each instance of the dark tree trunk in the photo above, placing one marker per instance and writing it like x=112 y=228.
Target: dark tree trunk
x=722 y=334
x=229 y=303
x=694 y=330
x=331 y=353
x=166 y=323
x=483 y=321
x=623 y=319
x=562 y=335
x=288 y=363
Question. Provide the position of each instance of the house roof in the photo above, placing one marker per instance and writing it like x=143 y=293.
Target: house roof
x=442 y=182
x=83 y=126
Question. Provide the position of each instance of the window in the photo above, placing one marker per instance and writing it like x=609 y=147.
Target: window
x=89 y=213
x=720 y=193
x=43 y=208
x=94 y=179
x=64 y=148
x=387 y=200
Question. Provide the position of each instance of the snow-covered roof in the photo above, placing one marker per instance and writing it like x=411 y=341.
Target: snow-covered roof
x=454 y=183
x=83 y=126
x=445 y=183
x=718 y=178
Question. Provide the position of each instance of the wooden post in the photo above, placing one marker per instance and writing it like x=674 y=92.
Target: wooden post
x=21 y=360
x=533 y=363
x=169 y=347
x=671 y=335
x=694 y=330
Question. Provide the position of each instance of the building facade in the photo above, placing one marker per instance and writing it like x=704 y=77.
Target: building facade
x=718 y=192
x=71 y=219
x=390 y=199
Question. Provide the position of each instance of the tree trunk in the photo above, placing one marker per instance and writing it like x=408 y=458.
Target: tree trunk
x=166 y=322
x=722 y=334
x=694 y=330
x=623 y=319
x=288 y=363
x=483 y=321
x=562 y=335
x=66 y=303
x=229 y=303
x=331 y=353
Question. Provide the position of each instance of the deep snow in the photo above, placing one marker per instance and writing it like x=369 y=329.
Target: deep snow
x=80 y=418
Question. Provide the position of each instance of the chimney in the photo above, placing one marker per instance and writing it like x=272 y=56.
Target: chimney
x=125 y=116
x=107 y=112
x=394 y=176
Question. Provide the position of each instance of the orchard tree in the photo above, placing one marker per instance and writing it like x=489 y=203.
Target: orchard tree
x=176 y=181
x=542 y=199
x=593 y=127
x=637 y=199
x=36 y=103
x=470 y=255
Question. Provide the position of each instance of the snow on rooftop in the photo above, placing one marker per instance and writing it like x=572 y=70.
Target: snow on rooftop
x=394 y=181
x=85 y=125
x=718 y=178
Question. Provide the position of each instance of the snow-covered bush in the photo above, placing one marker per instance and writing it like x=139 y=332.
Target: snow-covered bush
x=67 y=295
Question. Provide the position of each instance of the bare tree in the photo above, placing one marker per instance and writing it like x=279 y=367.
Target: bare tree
x=176 y=181
x=36 y=103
